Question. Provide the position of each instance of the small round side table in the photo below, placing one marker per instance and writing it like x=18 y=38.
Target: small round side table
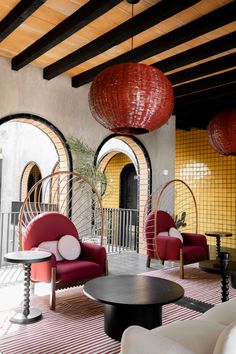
x=27 y=315
x=218 y=235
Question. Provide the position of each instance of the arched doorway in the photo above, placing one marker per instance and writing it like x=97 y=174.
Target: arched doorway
x=53 y=133
x=138 y=157
x=128 y=187
x=129 y=205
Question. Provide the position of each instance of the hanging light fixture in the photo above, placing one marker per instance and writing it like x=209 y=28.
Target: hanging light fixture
x=131 y=98
x=221 y=132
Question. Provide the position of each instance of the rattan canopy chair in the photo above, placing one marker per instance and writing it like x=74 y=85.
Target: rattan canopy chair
x=171 y=226
x=63 y=214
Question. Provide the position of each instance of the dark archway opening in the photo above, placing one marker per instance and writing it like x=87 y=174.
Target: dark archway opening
x=129 y=203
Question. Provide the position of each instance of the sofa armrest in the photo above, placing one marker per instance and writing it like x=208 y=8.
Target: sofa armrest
x=168 y=247
x=94 y=253
x=42 y=271
x=139 y=340
x=194 y=239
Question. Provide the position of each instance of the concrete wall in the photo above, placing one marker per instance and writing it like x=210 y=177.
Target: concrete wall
x=67 y=108
x=22 y=143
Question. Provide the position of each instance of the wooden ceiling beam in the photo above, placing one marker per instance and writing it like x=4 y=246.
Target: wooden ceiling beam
x=215 y=19
x=212 y=66
x=204 y=99
x=17 y=16
x=201 y=117
x=146 y=19
x=203 y=51
x=205 y=84
x=79 y=19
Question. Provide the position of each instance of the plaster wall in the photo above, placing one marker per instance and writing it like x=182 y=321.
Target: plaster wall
x=26 y=91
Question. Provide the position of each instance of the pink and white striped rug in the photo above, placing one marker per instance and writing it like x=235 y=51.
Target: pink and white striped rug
x=199 y=285
x=77 y=325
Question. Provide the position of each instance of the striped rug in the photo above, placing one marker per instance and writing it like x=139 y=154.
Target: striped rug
x=197 y=284
x=77 y=325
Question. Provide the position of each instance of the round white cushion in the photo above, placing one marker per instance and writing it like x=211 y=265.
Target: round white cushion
x=69 y=247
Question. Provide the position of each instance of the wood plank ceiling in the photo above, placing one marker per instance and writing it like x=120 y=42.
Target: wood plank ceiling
x=191 y=41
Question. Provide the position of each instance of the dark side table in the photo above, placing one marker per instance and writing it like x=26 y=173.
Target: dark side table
x=27 y=315
x=218 y=235
x=213 y=265
x=132 y=300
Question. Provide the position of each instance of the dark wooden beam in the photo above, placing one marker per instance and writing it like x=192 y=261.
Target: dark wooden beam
x=203 y=51
x=196 y=28
x=124 y=31
x=203 y=100
x=201 y=118
x=205 y=84
x=212 y=66
x=18 y=15
x=85 y=14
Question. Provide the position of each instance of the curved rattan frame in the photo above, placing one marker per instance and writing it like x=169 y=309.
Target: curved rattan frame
x=29 y=210
x=166 y=185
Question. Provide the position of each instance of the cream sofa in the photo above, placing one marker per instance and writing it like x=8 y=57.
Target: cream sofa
x=213 y=332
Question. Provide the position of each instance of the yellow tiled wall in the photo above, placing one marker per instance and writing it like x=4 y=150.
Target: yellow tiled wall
x=212 y=177
x=112 y=172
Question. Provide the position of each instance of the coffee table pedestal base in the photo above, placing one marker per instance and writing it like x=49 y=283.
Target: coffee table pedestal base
x=119 y=317
x=33 y=316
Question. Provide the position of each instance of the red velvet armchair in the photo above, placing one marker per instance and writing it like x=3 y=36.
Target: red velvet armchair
x=193 y=249
x=51 y=226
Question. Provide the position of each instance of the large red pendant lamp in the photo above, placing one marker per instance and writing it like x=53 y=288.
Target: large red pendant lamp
x=131 y=98
x=222 y=132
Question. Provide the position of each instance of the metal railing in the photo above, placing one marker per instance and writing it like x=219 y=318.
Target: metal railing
x=8 y=234
x=120 y=231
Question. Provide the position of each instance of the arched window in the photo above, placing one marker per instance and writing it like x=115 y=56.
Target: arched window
x=34 y=177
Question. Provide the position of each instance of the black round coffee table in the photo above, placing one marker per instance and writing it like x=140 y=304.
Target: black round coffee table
x=132 y=300
x=27 y=315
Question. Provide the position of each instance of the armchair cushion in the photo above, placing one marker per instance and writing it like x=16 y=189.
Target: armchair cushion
x=48 y=226
x=173 y=232
x=94 y=253
x=69 y=247
x=52 y=247
x=193 y=254
x=194 y=239
x=139 y=340
x=67 y=271
x=168 y=247
x=226 y=341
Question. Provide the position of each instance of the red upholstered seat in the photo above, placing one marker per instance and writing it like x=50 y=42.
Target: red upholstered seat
x=193 y=249
x=50 y=226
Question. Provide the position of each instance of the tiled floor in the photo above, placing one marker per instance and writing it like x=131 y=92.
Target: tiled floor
x=130 y=263
x=118 y=263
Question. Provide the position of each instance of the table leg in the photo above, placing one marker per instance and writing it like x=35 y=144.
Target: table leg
x=26 y=309
x=217 y=247
x=119 y=317
x=28 y=314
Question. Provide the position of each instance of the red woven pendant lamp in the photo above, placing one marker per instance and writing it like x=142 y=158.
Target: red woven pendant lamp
x=222 y=132
x=131 y=98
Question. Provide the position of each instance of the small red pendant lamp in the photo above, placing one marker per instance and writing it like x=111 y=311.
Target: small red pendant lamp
x=131 y=98
x=222 y=132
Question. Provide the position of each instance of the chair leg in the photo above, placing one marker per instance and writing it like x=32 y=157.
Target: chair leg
x=181 y=264
x=53 y=289
x=162 y=261
x=148 y=262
